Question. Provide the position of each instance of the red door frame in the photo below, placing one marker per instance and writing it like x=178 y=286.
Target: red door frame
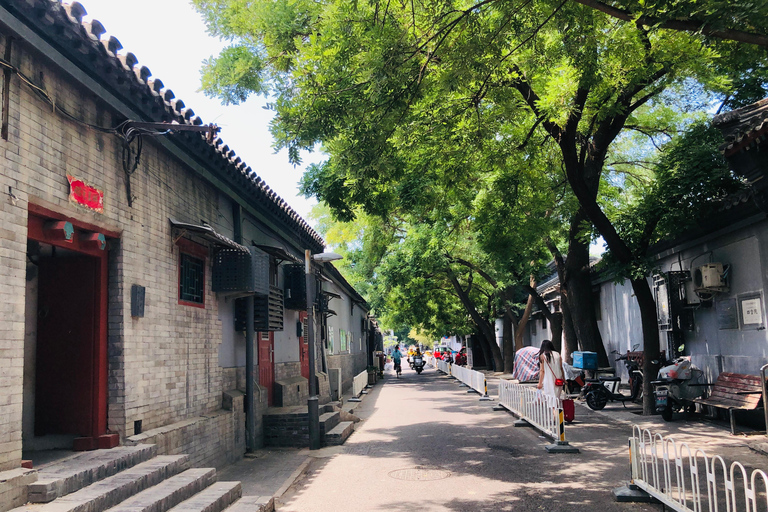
x=38 y=216
x=304 y=345
x=266 y=348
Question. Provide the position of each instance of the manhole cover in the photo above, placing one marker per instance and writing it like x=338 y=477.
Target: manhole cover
x=420 y=474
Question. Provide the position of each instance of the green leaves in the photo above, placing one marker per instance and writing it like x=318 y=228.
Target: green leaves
x=453 y=129
x=234 y=75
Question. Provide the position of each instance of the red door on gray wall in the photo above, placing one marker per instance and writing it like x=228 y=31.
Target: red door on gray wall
x=66 y=338
x=304 y=345
x=70 y=360
x=267 y=363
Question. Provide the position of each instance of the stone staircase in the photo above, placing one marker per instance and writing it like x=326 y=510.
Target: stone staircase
x=289 y=426
x=135 y=479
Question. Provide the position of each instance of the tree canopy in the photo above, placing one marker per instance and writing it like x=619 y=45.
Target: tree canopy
x=510 y=116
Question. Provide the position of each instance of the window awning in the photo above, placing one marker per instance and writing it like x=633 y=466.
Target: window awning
x=278 y=252
x=332 y=295
x=206 y=233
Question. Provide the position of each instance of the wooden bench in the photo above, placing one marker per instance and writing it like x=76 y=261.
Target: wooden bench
x=734 y=392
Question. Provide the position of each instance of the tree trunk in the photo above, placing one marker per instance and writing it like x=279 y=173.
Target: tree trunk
x=555 y=319
x=647 y=304
x=556 y=326
x=508 y=342
x=521 y=325
x=571 y=341
x=580 y=300
x=483 y=325
x=485 y=348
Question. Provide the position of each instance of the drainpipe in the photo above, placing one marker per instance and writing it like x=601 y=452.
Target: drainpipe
x=250 y=402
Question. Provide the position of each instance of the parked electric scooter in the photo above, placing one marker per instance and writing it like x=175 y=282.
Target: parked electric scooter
x=598 y=394
x=677 y=384
x=418 y=363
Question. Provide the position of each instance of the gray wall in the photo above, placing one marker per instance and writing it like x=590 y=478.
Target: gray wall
x=714 y=349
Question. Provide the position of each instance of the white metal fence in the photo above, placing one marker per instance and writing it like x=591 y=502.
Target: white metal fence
x=542 y=411
x=443 y=366
x=688 y=480
x=471 y=378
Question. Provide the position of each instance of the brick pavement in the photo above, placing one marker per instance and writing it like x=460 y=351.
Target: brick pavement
x=274 y=471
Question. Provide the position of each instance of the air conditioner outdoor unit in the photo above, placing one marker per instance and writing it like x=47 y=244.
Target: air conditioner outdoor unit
x=709 y=278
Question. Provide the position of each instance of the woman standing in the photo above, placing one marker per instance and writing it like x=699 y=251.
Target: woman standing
x=550 y=370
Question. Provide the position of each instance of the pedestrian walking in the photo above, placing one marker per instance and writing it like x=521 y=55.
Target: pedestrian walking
x=551 y=376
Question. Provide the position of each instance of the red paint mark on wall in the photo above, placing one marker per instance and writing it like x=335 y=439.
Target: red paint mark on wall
x=85 y=195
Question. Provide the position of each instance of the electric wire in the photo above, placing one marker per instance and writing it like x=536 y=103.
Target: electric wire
x=124 y=130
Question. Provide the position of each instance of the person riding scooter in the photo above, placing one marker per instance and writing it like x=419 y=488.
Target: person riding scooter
x=418 y=361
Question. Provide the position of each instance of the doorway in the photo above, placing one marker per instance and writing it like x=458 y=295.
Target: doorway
x=65 y=356
x=266 y=363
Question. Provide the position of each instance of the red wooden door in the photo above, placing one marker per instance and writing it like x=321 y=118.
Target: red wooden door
x=71 y=355
x=267 y=363
x=304 y=345
x=67 y=335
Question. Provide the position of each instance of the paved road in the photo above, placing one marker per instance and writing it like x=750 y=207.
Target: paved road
x=426 y=426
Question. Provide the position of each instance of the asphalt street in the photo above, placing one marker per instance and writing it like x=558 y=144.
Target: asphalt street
x=427 y=444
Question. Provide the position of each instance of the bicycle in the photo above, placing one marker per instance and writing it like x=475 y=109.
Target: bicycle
x=398 y=369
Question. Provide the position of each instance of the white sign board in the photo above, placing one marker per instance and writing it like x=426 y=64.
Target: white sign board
x=751 y=312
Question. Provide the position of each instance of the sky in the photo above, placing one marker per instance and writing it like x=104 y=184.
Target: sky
x=170 y=38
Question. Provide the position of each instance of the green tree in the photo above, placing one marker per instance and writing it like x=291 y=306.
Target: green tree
x=409 y=99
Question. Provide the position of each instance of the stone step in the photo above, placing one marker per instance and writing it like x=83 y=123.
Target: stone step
x=214 y=498
x=253 y=504
x=328 y=421
x=169 y=493
x=330 y=407
x=13 y=487
x=61 y=478
x=112 y=490
x=339 y=433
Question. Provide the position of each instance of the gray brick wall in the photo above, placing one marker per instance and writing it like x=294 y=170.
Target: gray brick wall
x=13 y=219
x=163 y=368
x=287 y=370
x=214 y=440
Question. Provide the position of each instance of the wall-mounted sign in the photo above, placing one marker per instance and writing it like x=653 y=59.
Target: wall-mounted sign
x=751 y=308
x=751 y=311
x=85 y=195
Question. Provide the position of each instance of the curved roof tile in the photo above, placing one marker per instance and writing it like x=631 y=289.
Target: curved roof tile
x=101 y=53
x=741 y=126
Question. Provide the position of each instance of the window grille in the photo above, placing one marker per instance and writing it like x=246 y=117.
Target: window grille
x=192 y=279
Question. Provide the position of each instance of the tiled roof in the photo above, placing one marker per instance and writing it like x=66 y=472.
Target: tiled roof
x=86 y=45
x=743 y=127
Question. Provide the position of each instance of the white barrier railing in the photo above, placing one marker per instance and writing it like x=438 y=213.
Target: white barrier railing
x=543 y=412
x=471 y=378
x=443 y=366
x=658 y=466
x=359 y=383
